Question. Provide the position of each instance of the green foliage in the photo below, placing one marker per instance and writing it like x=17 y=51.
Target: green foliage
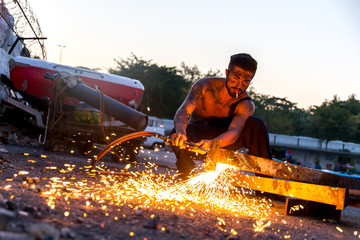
x=333 y=120
x=280 y=115
x=336 y=120
x=165 y=88
x=192 y=74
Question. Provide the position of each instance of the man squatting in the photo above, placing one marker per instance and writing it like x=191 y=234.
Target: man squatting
x=220 y=108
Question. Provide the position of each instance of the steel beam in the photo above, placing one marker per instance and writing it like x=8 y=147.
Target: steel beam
x=312 y=192
x=283 y=170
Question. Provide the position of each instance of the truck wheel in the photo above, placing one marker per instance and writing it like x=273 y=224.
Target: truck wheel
x=50 y=145
x=130 y=154
x=85 y=147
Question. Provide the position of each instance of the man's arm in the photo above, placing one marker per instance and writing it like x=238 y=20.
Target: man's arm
x=182 y=115
x=242 y=112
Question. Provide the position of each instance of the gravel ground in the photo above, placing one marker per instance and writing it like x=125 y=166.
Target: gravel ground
x=53 y=195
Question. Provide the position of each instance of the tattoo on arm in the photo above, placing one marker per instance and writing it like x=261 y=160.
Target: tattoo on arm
x=190 y=103
x=181 y=116
x=195 y=94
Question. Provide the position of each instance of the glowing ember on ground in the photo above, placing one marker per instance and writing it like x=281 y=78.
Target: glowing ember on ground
x=261 y=225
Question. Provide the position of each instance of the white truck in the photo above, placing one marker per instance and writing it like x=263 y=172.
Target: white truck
x=154 y=142
x=161 y=126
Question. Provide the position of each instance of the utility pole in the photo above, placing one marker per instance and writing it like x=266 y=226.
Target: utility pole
x=61 y=48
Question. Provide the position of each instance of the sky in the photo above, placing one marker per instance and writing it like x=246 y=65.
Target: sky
x=307 y=51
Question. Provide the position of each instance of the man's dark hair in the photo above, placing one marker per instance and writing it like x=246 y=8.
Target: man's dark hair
x=243 y=60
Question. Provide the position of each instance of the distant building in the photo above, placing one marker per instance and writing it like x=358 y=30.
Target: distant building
x=313 y=152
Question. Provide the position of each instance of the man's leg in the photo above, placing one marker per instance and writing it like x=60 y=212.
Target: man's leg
x=194 y=132
x=184 y=162
x=254 y=137
x=185 y=158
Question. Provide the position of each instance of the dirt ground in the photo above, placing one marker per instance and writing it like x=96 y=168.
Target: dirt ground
x=54 y=195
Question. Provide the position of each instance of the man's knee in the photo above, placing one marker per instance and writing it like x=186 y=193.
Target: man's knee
x=255 y=126
x=255 y=122
x=255 y=130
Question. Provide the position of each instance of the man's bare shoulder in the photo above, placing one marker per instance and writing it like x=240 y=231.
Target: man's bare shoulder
x=245 y=106
x=210 y=82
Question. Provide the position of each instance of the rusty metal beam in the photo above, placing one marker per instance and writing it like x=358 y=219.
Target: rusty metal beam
x=354 y=199
x=307 y=191
x=211 y=155
x=283 y=170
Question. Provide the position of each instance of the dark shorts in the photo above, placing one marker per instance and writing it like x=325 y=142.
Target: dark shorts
x=254 y=137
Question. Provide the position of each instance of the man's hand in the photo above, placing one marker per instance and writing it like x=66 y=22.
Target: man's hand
x=203 y=144
x=178 y=139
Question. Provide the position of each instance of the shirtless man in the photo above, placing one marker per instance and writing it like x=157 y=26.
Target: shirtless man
x=220 y=108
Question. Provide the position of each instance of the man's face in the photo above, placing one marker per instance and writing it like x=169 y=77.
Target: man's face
x=237 y=81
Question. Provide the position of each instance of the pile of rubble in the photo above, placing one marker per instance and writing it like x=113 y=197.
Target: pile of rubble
x=24 y=221
x=10 y=134
x=18 y=223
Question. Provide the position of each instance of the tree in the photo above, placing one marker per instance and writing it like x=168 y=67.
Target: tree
x=165 y=88
x=192 y=74
x=335 y=120
x=355 y=131
x=352 y=104
x=332 y=120
x=280 y=115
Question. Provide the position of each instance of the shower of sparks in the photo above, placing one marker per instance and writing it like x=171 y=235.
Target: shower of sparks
x=211 y=190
